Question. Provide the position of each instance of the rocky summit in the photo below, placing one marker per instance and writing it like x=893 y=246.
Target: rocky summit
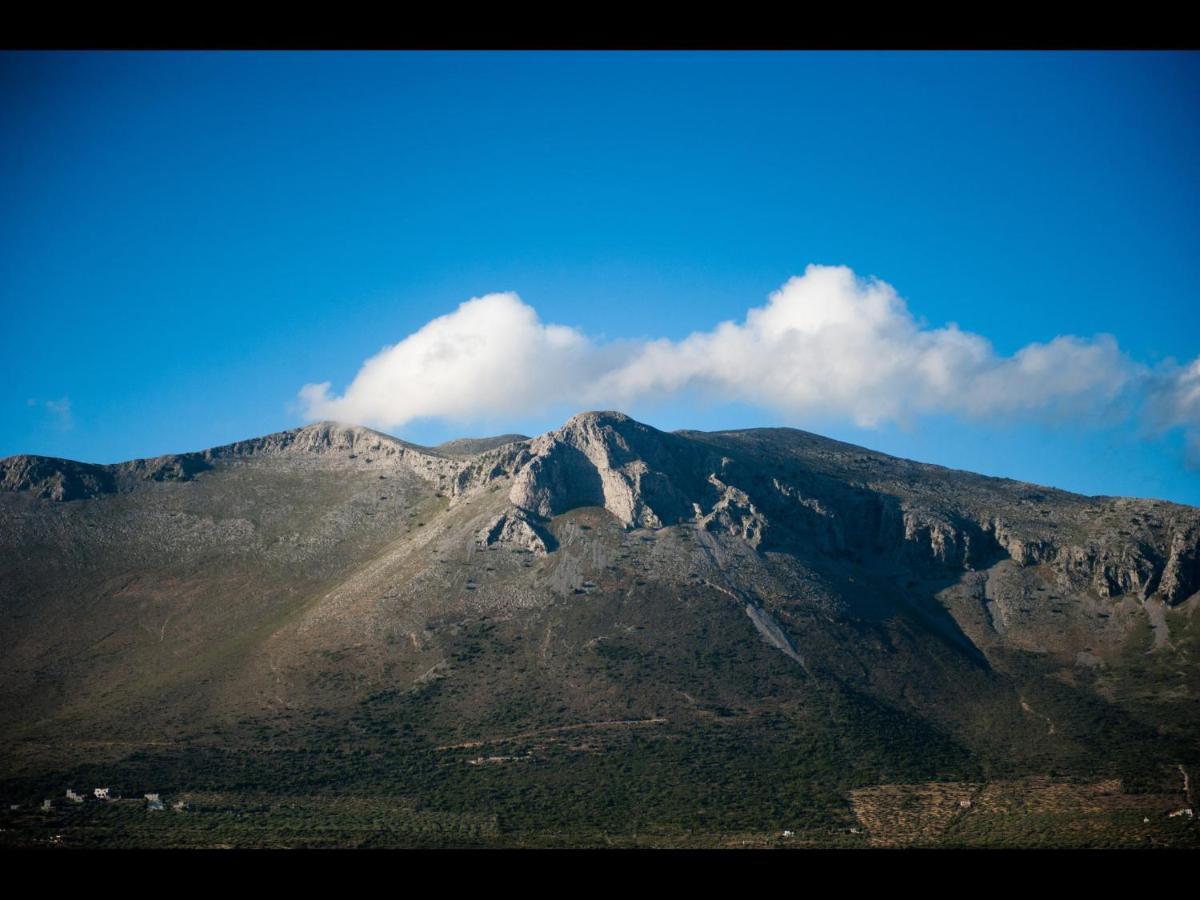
x=603 y=635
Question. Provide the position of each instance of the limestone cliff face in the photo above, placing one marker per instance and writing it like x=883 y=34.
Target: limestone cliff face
x=650 y=479
x=1115 y=561
x=514 y=529
x=734 y=513
x=778 y=490
x=1108 y=561
x=1181 y=575
x=644 y=477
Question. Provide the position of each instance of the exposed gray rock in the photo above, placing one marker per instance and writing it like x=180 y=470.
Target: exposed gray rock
x=352 y=444
x=515 y=530
x=63 y=480
x=55 y=479
x=775 y=489
x=905 y=512
x=734 y=513
x=1181 y=574
x=641 y=475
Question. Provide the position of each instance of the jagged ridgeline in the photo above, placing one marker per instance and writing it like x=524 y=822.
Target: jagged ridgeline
x=607 y=634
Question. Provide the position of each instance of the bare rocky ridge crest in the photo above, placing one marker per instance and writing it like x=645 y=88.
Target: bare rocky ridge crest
x=650 y=479
x=775 y=489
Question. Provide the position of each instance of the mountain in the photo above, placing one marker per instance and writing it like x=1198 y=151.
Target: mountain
x=607 y=634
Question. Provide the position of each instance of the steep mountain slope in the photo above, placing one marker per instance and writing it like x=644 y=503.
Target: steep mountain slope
x=603 y=632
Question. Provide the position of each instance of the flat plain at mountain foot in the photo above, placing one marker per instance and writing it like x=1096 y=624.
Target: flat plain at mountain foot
x=607 y=635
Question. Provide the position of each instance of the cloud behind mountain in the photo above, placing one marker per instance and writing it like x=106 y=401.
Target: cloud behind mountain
x=828 y=343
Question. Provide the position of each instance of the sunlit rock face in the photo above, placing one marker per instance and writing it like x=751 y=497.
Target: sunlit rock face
x=644 y=477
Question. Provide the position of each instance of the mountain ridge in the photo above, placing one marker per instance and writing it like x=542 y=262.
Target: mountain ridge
x=338 y=610
x=471 y=447
x=608 y=459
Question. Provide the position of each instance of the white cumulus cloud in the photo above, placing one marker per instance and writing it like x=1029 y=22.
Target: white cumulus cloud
x=491 y=356
x=830 y=343
x=827 y=343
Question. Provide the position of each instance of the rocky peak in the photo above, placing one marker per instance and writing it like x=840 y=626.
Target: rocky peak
x=319 y=438
x=643 y=476
x=54 y=479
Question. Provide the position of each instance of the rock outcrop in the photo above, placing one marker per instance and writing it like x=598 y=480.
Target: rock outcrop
x=644 y=477
x=1181 y=574
x=776 y=489
x=350 y=443
x=55 y=479
x=734 y=513
x=64 y=480
x=514 y=530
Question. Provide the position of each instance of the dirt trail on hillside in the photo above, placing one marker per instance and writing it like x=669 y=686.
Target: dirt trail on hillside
x=538 y=732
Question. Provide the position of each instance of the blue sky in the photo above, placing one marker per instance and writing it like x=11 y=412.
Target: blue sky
x=189 y=239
